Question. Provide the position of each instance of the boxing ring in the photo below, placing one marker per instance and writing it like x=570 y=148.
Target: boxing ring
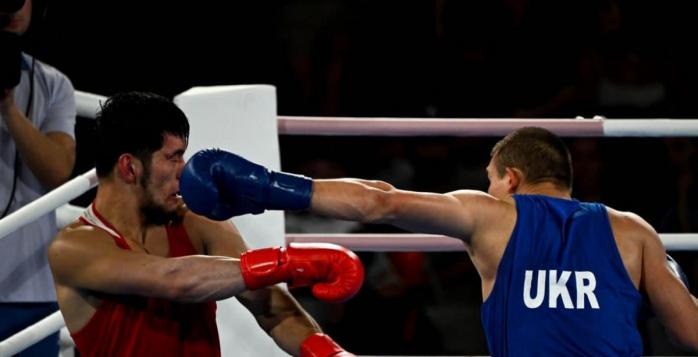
x=89 y=104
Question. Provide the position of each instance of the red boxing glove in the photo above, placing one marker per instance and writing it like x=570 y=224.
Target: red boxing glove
x=321 y=345
x=334 y=272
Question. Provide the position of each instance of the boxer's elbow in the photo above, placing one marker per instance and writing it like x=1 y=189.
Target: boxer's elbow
x=381 y=204
x=686 y=339
x=354 y=200
x=173 y=284
x=183 y=283
x=691 y=340
x=686 y=335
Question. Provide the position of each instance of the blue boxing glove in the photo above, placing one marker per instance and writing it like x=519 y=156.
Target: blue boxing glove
x=220 y=185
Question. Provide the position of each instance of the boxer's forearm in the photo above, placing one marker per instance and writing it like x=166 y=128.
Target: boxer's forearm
x=280 y=316
x=199 y=278
x=352 y=199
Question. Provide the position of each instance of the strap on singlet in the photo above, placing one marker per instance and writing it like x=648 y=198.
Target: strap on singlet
x=92 y=217
x=180 y=244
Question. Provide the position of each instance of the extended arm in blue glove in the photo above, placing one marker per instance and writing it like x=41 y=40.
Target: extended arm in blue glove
x=220 y=185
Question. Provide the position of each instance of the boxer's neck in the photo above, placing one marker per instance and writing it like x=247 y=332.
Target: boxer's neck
x=544 y=188
x=120 y=206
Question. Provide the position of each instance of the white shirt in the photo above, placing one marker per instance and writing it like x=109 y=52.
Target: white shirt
x=25 y=275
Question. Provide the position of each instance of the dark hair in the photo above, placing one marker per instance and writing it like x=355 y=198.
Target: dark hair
x=135 y=123
x=540 y=155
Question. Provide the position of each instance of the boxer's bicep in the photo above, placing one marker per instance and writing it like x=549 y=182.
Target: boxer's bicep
x=456 y=214
x=86 y=260
x=670 y=299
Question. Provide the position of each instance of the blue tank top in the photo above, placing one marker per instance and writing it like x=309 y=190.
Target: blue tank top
x=561 y=287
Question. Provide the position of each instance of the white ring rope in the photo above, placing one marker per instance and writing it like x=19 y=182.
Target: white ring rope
x=479 y=127
x=48 y=202
x=32 y=334
x=651 y=127
x=88 y=105
x=432 y=127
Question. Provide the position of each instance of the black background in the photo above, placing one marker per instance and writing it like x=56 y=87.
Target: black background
x=485 y=58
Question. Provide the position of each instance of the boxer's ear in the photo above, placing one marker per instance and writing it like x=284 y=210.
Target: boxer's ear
x=128 y=168
x=514 y=179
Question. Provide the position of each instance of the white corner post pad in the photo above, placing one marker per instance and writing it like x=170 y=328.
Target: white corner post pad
x=241 y=119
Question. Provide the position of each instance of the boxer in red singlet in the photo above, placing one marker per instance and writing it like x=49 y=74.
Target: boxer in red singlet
x=139 y=274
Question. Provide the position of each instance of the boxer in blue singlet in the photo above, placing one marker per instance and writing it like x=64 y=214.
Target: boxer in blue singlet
x=559 y=277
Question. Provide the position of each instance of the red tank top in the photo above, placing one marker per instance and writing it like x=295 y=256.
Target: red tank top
x=128 y=325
